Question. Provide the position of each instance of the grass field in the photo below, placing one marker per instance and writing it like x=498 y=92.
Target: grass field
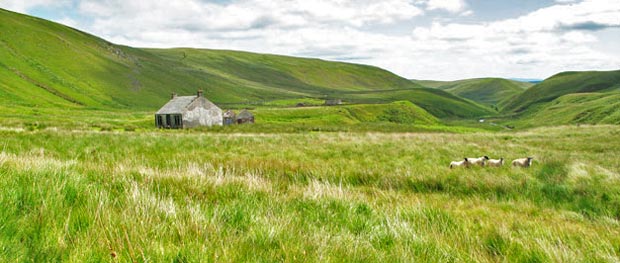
x=195 y=196
x=274 y=117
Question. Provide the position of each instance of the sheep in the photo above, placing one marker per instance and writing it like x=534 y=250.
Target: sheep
x=479 y=161
x=495 y=162
x=522 y=162
x=464 y=163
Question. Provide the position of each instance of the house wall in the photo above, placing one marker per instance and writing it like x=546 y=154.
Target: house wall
x=202 y=113
x=229 y=120
x=168 y=121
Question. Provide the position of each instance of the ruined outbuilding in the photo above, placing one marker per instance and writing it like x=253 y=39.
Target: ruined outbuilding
x=245 y=116
x=188 y=112
x=333 y=102
x=230 y=117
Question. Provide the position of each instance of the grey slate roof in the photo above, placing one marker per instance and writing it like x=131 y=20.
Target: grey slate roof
x=244 y=114
x=176 y=105
x=229 y=114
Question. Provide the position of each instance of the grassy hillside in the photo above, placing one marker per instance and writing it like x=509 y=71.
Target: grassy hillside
x=576 y=108
x=430 y=83
x=287 y=74
x=75 y=196
x=492 y=92
x=403 y=112
x=318 y=79
x=563 y=84
x=437 y=102
x=49 y=65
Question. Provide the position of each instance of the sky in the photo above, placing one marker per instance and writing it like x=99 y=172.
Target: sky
x=417 y=39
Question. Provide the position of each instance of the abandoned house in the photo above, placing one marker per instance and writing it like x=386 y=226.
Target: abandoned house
x=230 y=117
x=333 y=102
x=188 y=112
x=245 y=117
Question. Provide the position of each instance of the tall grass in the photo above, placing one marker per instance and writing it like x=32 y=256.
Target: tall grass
x=193 y=196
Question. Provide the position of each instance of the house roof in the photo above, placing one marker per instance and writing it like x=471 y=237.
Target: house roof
x=229 y=114
x=244 y=114
x=176 y=105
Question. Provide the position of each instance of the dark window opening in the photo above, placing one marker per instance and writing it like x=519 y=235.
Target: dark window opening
x=177 y=121
x=159 y=121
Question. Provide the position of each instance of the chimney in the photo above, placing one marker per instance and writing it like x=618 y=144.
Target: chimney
x=173 y=95
x=199 y=94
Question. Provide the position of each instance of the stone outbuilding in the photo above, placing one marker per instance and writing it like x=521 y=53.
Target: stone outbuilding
x=333 y=102
x=188 y=112
x=245 y=116
x=230 y=117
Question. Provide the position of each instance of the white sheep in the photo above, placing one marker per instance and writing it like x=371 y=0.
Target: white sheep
x=478 y=161
x=495 y=162
x=522 y=162
x=465 y=163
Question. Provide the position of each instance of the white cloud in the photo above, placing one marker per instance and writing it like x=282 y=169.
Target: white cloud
x=538 y=44
x=22 y=6
x=253 y=13
x=453 y=6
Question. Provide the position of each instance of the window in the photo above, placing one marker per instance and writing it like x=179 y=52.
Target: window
x=177 y=121
x=168 y=122
x=159 y=121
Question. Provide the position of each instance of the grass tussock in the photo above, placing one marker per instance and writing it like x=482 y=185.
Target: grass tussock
x=319 y=197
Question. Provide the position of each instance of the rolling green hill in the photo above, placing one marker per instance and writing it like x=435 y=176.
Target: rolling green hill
x=563 y=84
x=591 y=97
x=493 y=92
x=401 y=112
x=320 y=79
x=576 y=108
x=46 y=64
x=437 y=102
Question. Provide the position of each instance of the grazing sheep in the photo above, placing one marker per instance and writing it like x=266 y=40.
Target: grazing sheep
x=522 y=162
x=495 y=162
x=464 y=163
x=478 y=161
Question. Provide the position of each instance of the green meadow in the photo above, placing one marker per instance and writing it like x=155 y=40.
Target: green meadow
x=86 y=177
x=199 y=195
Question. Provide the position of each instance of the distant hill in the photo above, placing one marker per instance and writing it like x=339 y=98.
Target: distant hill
x=563 y=84
x=401 y=112
x=46 y=64
x=533 y=81
x=320 y=79
x=492 y=92
x=430 y=83
x=438 y=102
x=576 y=108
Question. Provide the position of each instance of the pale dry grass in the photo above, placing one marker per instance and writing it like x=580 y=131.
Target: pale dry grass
x=35 y=160
x=318 y=190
